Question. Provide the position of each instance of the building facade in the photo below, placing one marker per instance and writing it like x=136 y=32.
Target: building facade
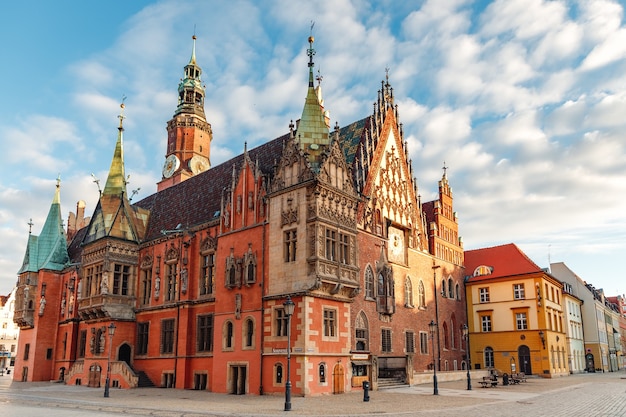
x=187 y=288
x=9 y=331
x=515 y=313
x=572 y=311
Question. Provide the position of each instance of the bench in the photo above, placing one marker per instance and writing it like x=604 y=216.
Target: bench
x=488 y=382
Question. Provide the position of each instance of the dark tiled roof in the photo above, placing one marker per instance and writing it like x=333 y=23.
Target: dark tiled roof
x=196 y=200
x=350 y=138
x=75 y=249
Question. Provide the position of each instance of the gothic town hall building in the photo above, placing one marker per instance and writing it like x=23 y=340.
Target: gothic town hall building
x=194 y=278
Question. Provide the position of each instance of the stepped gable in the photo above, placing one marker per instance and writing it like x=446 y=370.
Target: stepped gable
x=198 y=199
x=505 y=260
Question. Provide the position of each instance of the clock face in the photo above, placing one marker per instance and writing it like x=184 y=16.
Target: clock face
x=198 y=164
x=171 y=165
x=396 y=245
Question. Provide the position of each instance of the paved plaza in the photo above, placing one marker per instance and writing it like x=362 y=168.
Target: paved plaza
x=575 y=395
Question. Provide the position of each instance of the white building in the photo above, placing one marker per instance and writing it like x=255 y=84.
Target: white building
x=9 y=331
x=574 y=330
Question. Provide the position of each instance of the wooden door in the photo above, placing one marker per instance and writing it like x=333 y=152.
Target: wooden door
x=338 y=379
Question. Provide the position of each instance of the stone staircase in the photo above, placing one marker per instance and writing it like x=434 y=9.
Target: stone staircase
x=388 y=383
x=144 y=381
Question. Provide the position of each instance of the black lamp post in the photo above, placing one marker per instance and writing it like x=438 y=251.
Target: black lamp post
x=107 y=383
x=433 y=328
x=469 y=359
x=289 y=308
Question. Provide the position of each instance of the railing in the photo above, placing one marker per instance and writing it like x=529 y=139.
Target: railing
x=76 y=369
x=121 y=368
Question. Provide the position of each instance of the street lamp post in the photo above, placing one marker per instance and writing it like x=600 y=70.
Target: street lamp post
x=469 y=359
x=433 y=328
x=106 y=384
x=289 y=308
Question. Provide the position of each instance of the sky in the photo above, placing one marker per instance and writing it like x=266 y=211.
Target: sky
x=523 y=100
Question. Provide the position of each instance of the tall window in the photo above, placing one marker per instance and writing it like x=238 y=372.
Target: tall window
x=344 y=248
x=408 y=293
x=410 y=342
x=291 y=239
x=167 y=336
x=207 y=274
x=331 y=242
x=82 y=343
x=486 y=323
x=229 y=333
x=281 y=321
x=385 y=340
x=142 y=338
x=205 y=333
x=518 y=291
x=369 y=282
x=249 y=336
x=458 y=291
x=446 y=338
x=421 y=294
x=520 y=321
x=121 y=278
x=361 y=332
x=424 y=343
x=330 y=322
x=170 y=283
x=450 y=289
x=443 y=288
x=146 y=285
x=484 y=295
x=489 y=363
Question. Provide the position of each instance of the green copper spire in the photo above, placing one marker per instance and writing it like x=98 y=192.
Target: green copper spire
x=49 y=249
x=116 y=181
x=312 y=131
x=190 y=89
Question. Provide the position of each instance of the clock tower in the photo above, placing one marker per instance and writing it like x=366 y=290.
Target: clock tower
x=189 y=135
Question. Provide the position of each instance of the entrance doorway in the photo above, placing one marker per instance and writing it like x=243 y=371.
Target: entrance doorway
x=590 y=363
x=95 y=372
x=338 y=385
x=238 y=381
x=523 y=359
x=124 y=353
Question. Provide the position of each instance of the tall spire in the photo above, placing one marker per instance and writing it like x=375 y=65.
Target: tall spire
x=190 y=89
x=312 y=131
x=116 y=181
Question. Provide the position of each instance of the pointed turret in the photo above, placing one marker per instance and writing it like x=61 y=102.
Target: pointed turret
x=189 y=135
x=49 y=249
x=116 y=181
x=312 y=130
x=114 y=216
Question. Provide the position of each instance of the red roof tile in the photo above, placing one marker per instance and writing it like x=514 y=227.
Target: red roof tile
x=506 y=260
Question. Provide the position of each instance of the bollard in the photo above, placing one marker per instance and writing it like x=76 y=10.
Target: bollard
x=366 y=391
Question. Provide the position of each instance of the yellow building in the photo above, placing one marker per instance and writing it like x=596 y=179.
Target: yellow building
x=515 y=314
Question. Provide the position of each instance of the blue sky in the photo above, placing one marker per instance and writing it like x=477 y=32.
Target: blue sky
x=524 y=100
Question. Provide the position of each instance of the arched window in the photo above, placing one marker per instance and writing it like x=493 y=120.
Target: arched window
x=361 y=332
x=228 y=335
x=443 y=288
x=249 y=335
x=489 y=363
x=322 y=373
x=446 y=336
x=458 y=291
x=278 y=373
x=450 y=289
x=408 y=293
x=452 y=332
x=421 y=295
x=369 y=282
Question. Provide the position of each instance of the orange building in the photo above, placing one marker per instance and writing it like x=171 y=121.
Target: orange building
x=187 y=288
x=515 y=313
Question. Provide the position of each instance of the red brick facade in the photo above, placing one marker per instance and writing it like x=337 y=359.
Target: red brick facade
x=195 y=277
